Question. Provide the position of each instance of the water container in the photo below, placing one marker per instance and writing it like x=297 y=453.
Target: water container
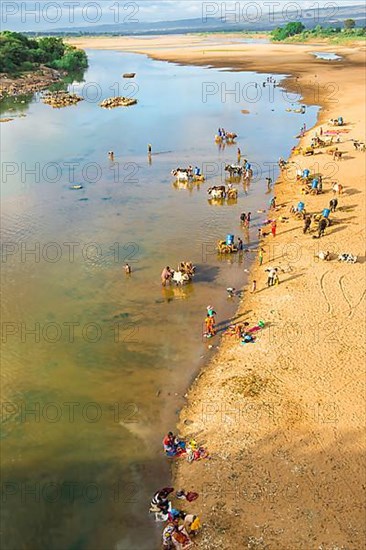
x=326 y=213
x=230 y=240
x=300 y=207
x=315 y=184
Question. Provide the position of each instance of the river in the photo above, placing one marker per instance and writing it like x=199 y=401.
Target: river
x=95 y=364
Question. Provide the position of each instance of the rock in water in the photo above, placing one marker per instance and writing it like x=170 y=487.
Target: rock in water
x=119 y=101
x=61 y=99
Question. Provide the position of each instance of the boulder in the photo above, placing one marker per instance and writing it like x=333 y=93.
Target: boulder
x=119 y=101
x=61 y=99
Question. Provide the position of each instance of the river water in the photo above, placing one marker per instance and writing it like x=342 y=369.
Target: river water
x=95 y=363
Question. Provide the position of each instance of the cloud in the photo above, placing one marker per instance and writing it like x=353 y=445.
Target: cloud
x=47 y=15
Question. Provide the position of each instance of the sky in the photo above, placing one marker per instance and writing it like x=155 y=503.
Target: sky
x=48 y=15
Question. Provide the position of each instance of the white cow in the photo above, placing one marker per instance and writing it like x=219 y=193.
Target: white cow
x=347 y=258
x=217 y=192
x=180 y=278
x=181 y=176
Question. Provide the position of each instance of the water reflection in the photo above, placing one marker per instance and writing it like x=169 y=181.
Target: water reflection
x=20 y=104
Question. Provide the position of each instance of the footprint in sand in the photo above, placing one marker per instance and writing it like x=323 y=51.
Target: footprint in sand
x=342 y=294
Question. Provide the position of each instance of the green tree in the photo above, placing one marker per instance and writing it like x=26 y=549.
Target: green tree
x=349 y=24
x=291 y=29
x=53 y=47
x=19 y=53
x=73 y=60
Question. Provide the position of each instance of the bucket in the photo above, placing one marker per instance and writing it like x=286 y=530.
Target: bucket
x=326 y=213
x=230 y=240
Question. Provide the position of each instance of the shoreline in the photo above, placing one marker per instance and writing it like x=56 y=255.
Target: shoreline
x=283 y=418
x=29 y=83
x=223 y=413
x=265 y=502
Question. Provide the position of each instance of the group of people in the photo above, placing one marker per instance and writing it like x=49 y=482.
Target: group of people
x=245 y=219
x=185 y=268
x=314 y=185
x=190 y=171
x=270 y=80
x=272 y=278
x=282 y=163
x=245 y=334
x=180 y=530
x=175 y=447
x=321 y=219
x=222 y=133
x=180 y=527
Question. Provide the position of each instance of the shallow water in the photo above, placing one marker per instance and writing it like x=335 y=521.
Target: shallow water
x=111 y=356
x=327 y=56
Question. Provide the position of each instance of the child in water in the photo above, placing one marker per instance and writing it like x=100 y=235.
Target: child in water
x=210 y=311
x=210 y=326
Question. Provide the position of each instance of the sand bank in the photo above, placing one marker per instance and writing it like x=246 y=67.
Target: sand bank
x=283 y=418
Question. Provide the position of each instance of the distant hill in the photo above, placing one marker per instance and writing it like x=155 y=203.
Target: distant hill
x=310 y=20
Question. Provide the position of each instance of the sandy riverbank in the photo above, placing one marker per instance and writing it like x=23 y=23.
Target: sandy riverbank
x=283 y=418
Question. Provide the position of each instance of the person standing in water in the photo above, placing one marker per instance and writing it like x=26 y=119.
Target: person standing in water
x=166 y=276
x=128 y=269
x=248 y=220
x=239 y=155
x=210 y=326
x=149 y=149
x=210 y=311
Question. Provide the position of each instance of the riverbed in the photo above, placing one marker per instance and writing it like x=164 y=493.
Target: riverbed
x=96 y=363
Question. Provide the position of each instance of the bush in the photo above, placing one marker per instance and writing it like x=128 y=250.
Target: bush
x=72 y=60
x=291 y=29
x=19 y=53
x=334 y=33
x=349 y=24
